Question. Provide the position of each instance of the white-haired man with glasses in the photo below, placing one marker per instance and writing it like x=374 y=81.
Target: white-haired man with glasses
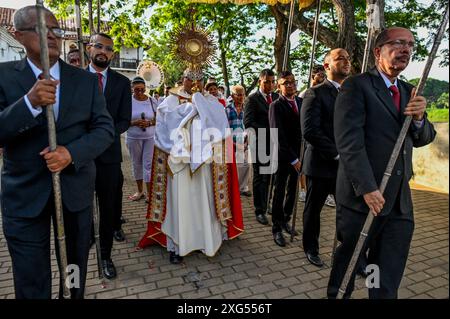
x=368 y=116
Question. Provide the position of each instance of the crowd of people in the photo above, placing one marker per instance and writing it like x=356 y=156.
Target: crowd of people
x=331 y=142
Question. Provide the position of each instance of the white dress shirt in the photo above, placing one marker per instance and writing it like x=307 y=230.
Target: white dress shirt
x=388 y=83
x=55 y=75
x=104 y=74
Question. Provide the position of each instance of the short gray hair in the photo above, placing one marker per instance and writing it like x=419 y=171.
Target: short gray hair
x=236 y=88
x=22 y=16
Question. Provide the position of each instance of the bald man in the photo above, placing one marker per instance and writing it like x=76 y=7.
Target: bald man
x=321 y=157
x=368 y=117
x=84 y=130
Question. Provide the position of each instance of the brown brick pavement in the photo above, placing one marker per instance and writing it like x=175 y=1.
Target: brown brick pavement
x=252 y=266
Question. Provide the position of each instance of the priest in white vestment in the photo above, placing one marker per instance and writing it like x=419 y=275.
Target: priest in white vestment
x=193 y=203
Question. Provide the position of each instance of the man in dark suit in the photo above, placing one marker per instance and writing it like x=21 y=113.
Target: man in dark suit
x=321 y=157
x=284 y=115
x=109 y=182
x=84 y=129
x=256 y=121
x=369 y=113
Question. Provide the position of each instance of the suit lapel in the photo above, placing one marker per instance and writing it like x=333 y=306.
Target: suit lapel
x=262 y=100
x=66 y=90
x=288 y=106
x=333 y=91
x=109 y=83
x=25 y=75
x=383 y=93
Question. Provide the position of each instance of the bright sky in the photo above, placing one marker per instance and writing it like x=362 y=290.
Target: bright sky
x=414 y=70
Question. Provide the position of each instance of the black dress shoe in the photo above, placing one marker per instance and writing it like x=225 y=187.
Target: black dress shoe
x=288 y=229
x=246 y=194
x=109 y=270
x=174 y=258
x=119 y=235
x=262 y=219
x=279 y=239
x=314 y=259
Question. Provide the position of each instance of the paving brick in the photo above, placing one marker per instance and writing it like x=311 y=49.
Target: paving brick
x=279 y=293
x=154 y=294
x=440 y=293
x=176 y=290
x=252 y=266
x=309 y=276
x=169 y=282
x=223 y=288
x=112 y=294
x=238 y=294
x=301 y=288
x=420 y=287
x=141 y=288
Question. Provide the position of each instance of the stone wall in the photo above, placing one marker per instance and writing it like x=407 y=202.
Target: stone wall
x=431 y=164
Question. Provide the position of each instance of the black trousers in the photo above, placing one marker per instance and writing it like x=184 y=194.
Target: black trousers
x=260 y=189
x=286 y=179
x=108 y=185
x=317 y=191
x=388 y=241
x=29 y=246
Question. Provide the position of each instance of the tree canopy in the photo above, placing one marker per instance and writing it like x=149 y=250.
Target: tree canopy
x=252 y=37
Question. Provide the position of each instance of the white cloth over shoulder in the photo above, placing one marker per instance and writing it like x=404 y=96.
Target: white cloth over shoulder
x=191 y=222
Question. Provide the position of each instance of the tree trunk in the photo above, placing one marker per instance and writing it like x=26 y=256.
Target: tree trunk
x=376 y=12
x=223 y=62
x=280 y=39
x=345 y=37
x=91 y=22
x=99 y=18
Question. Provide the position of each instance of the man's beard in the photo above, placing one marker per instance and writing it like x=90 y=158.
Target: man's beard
x=101 y=64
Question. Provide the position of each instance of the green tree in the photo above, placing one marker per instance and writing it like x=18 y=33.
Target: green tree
x=442 y=102
x=241 y=54
x=433 y=90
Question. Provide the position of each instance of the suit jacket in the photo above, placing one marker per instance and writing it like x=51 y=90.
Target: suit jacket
x=83 y=126
x=256 y=116
x=284 y=118
x=118 y=102
x=317 y=127
x=366 y=126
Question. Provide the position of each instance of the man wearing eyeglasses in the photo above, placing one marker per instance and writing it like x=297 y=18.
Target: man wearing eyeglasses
x=284 y=115
x=369 y=112
x=256 y=121
x=116 y=89
x=84 y=129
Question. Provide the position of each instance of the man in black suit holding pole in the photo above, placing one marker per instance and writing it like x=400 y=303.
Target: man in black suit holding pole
x=117 y=91
x=368 y=117
x=321 y=157
x=84 y=129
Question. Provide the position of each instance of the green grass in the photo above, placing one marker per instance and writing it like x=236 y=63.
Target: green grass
x=438 y=115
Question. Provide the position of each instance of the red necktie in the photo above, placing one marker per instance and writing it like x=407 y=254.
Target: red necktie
x=269 y=99
x=395 y=96
x=100 y=82
x=294 y=106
